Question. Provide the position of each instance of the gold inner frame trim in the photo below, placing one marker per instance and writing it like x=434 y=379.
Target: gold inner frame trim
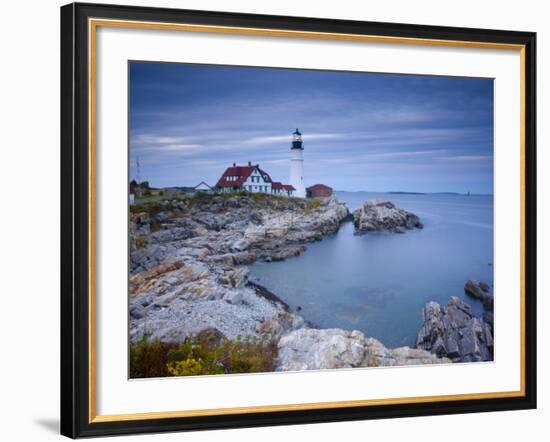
x=93 y=24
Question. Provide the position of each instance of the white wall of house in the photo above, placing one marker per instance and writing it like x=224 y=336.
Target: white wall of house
x=255 y=183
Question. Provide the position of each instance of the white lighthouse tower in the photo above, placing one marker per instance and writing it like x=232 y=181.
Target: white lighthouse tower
x=297 y=165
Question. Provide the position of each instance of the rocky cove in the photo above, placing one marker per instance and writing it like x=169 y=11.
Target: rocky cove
x=189 y=266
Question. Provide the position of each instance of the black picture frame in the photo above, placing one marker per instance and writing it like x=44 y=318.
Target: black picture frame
x=75 y=220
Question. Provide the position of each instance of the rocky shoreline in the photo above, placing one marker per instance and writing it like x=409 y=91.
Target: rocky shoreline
x=189 y=273
x=189 y=262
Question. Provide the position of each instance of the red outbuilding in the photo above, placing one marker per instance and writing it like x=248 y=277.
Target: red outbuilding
x=319 y=191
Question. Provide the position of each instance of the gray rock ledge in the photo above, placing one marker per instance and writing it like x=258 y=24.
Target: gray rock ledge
x=319 y=349
x=454 y=332
x=382 y=215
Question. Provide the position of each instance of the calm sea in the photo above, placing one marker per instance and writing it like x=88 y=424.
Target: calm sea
x=379 y=282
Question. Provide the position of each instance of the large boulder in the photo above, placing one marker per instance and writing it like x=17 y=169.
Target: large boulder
x=314 y=349
x=382 y=215
x=454 y=332
x=319 y=349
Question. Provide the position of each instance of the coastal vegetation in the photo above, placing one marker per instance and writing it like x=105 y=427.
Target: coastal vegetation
x=154 y=204
x=208 y=353
x=312 y=205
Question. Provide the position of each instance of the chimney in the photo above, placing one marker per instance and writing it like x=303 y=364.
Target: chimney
x=249 y=163
x=234 y=164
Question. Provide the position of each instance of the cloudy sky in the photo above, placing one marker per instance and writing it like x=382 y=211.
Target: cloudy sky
x=361 y=131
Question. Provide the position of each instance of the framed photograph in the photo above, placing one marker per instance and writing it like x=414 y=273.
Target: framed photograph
x=274 y=220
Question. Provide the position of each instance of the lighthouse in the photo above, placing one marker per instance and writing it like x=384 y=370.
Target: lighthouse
x=297 y=165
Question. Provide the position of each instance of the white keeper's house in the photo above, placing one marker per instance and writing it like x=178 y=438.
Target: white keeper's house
x=251 y=178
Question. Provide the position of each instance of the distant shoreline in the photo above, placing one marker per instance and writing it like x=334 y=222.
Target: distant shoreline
x=398 y=192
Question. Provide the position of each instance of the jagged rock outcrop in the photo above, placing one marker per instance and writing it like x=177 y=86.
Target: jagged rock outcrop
x=381 y=215
x=188 y=263
x=454 y=332
x=317 y=349
x=183 y=302
x=237 y=229
x=484 y=293
x=481 y=291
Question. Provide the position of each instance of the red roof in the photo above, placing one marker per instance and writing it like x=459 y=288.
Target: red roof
x=288 y=187
x=277 y=185
x=242 y=172
x=319 y=187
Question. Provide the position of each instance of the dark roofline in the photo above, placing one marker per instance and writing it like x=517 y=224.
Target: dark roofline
x=202 y=182
x=318 y=185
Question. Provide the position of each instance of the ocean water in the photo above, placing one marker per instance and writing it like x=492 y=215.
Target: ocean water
x=379 y=282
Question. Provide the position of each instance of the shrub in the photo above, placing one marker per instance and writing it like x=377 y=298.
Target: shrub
x=177 y=214
x=208 y=353
x=199 y=199
x=187 y=367
x=141 y=242
x=152 y=208
x=148 y=358
x=312 y=205
x=259 y=196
